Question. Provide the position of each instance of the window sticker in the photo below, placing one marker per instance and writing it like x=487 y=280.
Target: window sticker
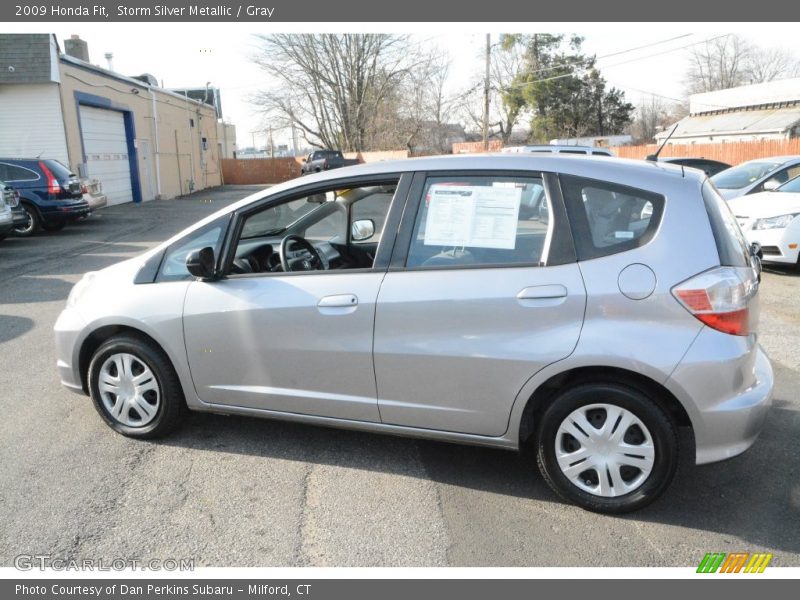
x=472 y=216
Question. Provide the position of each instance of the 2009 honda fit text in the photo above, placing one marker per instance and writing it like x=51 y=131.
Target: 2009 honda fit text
x=415 y=298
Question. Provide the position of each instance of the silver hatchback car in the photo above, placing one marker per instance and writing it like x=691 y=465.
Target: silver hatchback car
x=416 y=298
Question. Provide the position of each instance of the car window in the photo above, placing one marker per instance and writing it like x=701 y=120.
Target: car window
x=608 y=218
x=731 y=244
x=783 y=175
x=791 y=186
x=480 y=221
x=374 y=207
x=275 y=219
x=333 y=228
x=59 y=170
x=173 y=266
x=743 y=175
x=15 y=173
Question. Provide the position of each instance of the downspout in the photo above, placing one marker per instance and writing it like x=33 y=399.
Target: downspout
x=158 y=154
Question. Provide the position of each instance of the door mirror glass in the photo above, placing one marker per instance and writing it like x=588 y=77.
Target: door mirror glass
x=200 y=263
x=771 y=184
x=362 y=230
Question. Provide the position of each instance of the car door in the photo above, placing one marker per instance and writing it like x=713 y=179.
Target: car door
x=297 y=342
x=479 y=297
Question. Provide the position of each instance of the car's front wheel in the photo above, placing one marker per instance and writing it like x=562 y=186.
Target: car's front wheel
x=607 y=447
x=135 y=388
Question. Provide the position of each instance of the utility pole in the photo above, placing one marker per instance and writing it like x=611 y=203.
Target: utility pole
x=486 y=94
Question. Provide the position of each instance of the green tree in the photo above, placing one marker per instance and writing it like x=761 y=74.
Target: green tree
x=563 y=89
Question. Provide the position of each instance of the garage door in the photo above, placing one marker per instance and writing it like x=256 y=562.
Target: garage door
x=106 y=146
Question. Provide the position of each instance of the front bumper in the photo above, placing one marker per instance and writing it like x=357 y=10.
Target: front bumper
x=69 y=330
x=726 y=385
x=19 y=216
x=776 y=244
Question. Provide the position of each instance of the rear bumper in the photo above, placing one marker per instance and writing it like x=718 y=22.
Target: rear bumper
x=64 y=211
x=726 y=383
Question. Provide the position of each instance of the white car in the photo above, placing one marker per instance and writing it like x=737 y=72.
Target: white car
x=772 y=220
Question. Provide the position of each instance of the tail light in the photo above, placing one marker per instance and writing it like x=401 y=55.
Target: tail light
x=720 y=298
x=53 y=187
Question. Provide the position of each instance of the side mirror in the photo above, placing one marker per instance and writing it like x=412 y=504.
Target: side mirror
x=200 y=263
x=771 y=184
x=362 y=230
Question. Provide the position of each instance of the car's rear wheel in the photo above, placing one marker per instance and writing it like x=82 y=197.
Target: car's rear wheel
x=32 y=224
x=607 y=447
x=135 y=388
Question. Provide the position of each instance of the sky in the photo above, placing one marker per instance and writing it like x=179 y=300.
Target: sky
x=640 y=58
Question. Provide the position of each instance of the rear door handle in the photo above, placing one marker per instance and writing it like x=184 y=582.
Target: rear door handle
x=542 y=292
x=339 y=301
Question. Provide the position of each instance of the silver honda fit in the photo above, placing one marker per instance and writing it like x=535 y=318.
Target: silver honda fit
x=586 y=307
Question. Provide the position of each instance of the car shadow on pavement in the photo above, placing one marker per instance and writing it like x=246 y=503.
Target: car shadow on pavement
x=29 y=290
x=755 y=497
x=12 y=327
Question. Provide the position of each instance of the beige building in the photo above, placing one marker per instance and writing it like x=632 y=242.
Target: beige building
x=141 y=141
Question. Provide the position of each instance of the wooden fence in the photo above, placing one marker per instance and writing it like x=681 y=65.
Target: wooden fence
x=732 y=153
x=253 y=171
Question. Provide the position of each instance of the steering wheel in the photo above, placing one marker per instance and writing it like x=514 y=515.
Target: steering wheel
x=312 y=262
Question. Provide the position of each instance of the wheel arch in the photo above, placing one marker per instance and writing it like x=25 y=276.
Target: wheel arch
x=547 y=391
x=102 y=334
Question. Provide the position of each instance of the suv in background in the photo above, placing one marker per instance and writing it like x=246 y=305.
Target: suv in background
x=50 y=194
x=560 y=149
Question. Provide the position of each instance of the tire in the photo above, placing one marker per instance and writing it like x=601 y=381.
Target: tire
x=650 y=439
x=33 y=222
x=53 y=226
x=167 y=403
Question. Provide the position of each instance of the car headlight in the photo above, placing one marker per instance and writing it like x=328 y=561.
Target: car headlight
x=79 y=289
x=780 y=222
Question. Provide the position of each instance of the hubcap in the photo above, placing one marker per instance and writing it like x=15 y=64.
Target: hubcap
x=129 y=390
x=28 y=226
x=605 y=450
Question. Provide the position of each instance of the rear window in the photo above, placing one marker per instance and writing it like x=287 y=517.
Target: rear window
x=58 y=170
x=731 y=245
x=607 y=218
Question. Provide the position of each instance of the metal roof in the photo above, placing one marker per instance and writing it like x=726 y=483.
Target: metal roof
x=772 y=120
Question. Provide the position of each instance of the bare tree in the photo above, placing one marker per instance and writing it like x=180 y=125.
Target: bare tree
x=331 y=87
x=729 y=61
x=652 y=116
x=767 y=64
x=717 y=64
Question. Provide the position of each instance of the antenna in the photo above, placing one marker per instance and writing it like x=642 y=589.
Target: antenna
x=654 y=157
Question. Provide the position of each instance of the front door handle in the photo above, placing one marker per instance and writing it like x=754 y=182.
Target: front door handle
x=542 y=292
x=338 y=301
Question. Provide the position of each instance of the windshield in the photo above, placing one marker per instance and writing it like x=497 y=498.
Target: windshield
x=791 y=186
x=738 y=177
x=276 y=219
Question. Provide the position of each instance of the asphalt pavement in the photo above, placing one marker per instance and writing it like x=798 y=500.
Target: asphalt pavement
x=232 y=491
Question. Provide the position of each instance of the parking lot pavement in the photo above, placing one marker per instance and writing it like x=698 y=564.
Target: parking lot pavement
x=230 y=491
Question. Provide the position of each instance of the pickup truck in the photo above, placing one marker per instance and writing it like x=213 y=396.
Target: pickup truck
x=323 y=160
